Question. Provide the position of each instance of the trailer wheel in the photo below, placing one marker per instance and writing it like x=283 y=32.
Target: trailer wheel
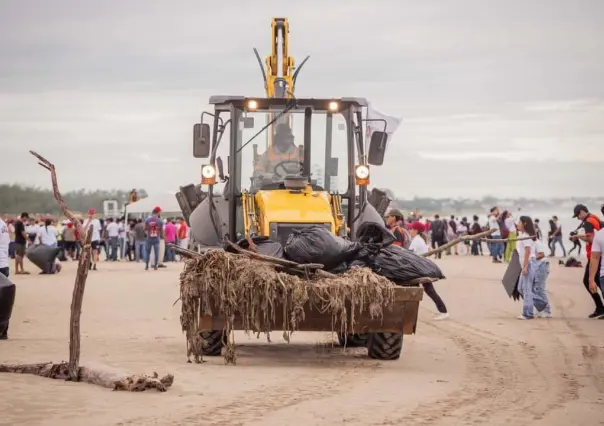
x=352 y=340
x=385 y=346
x=214 y=342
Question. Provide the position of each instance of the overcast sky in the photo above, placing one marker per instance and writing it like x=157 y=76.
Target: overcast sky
x=497 y=97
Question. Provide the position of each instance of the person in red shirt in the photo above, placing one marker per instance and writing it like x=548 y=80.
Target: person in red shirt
x=591 y=224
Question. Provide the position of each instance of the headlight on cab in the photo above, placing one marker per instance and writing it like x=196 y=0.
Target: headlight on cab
x=361 y=173
x=208 y=174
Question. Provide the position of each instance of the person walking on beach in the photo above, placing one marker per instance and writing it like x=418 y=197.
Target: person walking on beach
x=557 y=237
x=541 y=301
x=452 y=234
x=439 y=234
x=154 y=227
x=96 y=236
x=591 y=224
x=495 y=248
x=20 y=243
x=418 y=246
x=474 y=230
x=596 y=266
x=538 y=230
x=526 y=284
x=510 y=246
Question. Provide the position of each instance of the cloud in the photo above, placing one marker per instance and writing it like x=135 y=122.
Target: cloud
x=109 y=90
x=572 y=105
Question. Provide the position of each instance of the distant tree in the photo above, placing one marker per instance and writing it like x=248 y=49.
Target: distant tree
x=15 y=199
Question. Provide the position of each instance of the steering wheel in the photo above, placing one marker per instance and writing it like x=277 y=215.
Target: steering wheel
x=282 y=164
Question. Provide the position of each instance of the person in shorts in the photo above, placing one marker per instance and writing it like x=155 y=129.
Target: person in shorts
x=96 y=236
x=20 y=243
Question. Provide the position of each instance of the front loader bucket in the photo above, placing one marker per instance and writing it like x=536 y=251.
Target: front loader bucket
x=400 y=318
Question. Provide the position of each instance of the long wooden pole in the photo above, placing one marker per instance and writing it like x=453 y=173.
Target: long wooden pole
x=458 y=240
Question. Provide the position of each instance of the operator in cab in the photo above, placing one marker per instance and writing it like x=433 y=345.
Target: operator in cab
x=283 y=157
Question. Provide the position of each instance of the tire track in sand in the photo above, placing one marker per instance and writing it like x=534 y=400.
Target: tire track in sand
x=334 y=377
x=504 y=380
x=592 y=355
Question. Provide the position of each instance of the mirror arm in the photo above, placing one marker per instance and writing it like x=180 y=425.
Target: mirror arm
x=219 y=135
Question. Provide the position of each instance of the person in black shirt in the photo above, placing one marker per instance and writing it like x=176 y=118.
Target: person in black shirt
x=20 y=244
x=439 y=234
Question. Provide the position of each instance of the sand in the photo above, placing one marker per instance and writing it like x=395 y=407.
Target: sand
x=482 y=366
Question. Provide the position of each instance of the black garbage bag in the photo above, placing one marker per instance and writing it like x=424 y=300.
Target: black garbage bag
x=43 y=257
x=265 y=246
x=7 y=300
x=375 y=233
x=397 y=263
x=317 y=244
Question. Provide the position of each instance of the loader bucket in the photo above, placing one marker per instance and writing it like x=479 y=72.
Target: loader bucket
x=402 y=318
x=383 y=337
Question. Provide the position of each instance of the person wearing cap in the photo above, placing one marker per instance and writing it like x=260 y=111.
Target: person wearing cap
x=96 y=235
x=393 y=218
x=419 y=246
x=282 y=151
x=154 y=227
x=591 y=224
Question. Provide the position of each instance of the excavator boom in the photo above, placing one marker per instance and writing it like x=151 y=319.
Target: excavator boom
x=279 y=72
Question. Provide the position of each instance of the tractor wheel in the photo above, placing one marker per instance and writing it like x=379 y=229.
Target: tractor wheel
x=214 y=342
x=352 y=340
x=385 y=346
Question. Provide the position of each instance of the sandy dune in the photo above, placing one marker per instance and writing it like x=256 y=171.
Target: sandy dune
x=480 y=367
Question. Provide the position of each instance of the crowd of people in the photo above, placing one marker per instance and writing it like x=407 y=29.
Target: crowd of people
x=118 y=239
x=509 y=234
x=136 y=239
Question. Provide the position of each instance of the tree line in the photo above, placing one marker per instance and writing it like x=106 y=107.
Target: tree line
x=15 y=199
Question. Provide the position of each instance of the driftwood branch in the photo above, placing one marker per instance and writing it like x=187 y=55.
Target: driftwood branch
x=107 y=378
x=183 y=251
x=76 y=308
x=71 y=370
x=458 y=240
x=55 y=189
x=507 y=240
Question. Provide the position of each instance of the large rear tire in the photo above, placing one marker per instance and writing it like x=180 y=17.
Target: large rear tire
x=353 y=340
x=214 y=342
x=385 y=346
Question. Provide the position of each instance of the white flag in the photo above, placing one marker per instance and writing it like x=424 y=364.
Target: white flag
x=392 y=123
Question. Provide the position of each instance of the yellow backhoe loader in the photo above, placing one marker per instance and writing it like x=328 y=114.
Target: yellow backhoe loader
x=312 y=169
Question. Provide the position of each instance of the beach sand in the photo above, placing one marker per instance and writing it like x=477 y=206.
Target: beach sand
x=482 y=366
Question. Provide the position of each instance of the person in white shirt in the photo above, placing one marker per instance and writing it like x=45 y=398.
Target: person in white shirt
x=96 y=236
x=47 y=234
x=113 y=232
x=510 y=246
x=419 y=246
x=122 y=238
x=526 y=253
x=4 y=244
x=496 y=249
x=541 y=301
x=33 y=231
x=462 y=229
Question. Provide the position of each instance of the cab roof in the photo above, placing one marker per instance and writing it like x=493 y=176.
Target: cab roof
x=316 y=103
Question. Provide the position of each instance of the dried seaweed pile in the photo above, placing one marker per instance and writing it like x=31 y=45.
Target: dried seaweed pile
x=235 y=285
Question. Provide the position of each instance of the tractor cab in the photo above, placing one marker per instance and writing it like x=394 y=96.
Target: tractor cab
x=290 y=163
